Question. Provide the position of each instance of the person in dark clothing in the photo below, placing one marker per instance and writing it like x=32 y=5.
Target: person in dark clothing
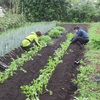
x=81 y=37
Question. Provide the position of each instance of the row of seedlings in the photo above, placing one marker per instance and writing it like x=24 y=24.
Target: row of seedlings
x=39 y=85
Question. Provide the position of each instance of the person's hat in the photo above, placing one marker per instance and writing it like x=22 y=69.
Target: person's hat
x=38 y=33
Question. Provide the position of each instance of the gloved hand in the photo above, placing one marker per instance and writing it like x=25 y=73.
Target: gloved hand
x=40 y=46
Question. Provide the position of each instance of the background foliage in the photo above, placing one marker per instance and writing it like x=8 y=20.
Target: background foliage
x=11 y=21
x=60 y=10
x=44 y=10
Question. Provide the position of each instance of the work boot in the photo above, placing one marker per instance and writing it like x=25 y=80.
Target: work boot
x=77 y=62
x=80 y=45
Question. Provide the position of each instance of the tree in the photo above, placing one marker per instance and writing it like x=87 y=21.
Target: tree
x=61 y=10
x=41 y=10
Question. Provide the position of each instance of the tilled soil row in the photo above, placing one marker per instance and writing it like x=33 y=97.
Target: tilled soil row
x=61 y=81
x=10 y=89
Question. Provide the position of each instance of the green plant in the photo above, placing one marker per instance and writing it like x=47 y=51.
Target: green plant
x=60 y=10
x=86 y=85
x=10 y=21
x=96 y=41
x=95 y=35
x=61 y=29
x=56 y=31
x=48 y=9
x=45 y=39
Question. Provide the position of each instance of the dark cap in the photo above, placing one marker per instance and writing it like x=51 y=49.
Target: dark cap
x=38 y=33
x=76 y=28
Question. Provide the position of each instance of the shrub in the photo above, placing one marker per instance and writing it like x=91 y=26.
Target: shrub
x=44 y=10
x=60 y=10
x=83 y=12
x=11 y=21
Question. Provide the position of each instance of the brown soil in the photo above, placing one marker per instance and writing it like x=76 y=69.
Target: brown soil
x=60 y=82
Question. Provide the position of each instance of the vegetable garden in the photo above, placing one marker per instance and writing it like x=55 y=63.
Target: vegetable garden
x=43 y=73
x=56 y=69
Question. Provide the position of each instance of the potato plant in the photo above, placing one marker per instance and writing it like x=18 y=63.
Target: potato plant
x=39 y=85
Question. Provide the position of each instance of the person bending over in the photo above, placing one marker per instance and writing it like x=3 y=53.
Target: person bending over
x=81 y=37
x=30 y=40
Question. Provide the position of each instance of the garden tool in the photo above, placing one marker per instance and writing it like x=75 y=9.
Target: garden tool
x=77 y=62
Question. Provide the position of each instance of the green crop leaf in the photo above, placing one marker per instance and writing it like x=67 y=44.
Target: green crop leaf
x=56 y=32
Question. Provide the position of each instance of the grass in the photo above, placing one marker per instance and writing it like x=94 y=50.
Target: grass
x=92 y=52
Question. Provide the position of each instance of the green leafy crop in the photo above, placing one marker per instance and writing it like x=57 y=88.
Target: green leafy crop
x=56 y=31
x=45 y=39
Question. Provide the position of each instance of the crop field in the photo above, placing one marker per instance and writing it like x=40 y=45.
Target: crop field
x=43 y=73
x=50 y=50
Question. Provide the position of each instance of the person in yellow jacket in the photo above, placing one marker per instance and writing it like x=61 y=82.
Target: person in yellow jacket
x=30 y=40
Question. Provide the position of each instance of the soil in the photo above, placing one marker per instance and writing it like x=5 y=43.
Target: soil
x=60 y=82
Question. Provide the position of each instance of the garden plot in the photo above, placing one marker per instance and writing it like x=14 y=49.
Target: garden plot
x=60 y=82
